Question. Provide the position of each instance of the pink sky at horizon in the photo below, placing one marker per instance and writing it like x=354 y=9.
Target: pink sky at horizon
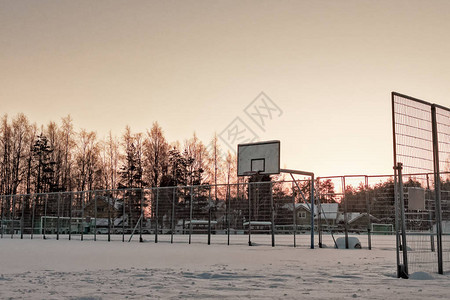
x=194 y=66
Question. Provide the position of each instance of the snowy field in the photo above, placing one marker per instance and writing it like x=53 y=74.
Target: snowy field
x=50 y=269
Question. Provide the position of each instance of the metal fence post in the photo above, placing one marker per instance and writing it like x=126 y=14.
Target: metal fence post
x=437 y=189
x=82 y=215
x=209 y=217
x=142 y=215
x=294 y=215
x=3 y=208
x=174 y=191
x=156 y=215
x=190 y=215
x=109 y=202
x=13 y=214
x=123 y=213
x=58 y=203
x=249 y=215
x=227 y=211
x=345 y=213
x=33 y=208
x=312 y=211
x=272 y=213
x=70 y=215
x=369 y=237
x=95 y=216
x=319 y=218
x=22 y=218
x=404 y=247
x=45 y=217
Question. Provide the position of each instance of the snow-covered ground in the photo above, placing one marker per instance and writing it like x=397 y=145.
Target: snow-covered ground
x=50 y=269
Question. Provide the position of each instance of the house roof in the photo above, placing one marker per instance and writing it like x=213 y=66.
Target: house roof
x=354 y=216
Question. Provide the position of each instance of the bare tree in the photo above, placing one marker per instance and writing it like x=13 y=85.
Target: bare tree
x=86 y=159
x=156 y=155
x=5 y=144
x=215 y=162
x=114 y=155
x=68 y=144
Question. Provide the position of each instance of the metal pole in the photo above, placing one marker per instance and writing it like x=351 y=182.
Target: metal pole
x=109 y=202
x=312 y=211
x=58 y=203
x=209 y=217
x=249 y=215
x=345 y=214
x=14 y=214
x=123 y=215
x=437 y=189
x=396 y=223
x=82 y=215
x=294 y=215
x=397 y=172
x=22 y=218
x=3 y=208
x=190 y=216
x=95 y=216
x=45 y=216
x=70 y=215
x=174 y=191
x=227 y=203
x=142 y=216
x=33 y=205
x=272 y=212
x=402 y=211
x=157 y=215
x=369 y=226
x=319 y=217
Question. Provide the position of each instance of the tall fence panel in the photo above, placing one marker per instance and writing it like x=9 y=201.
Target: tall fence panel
x=421 y=133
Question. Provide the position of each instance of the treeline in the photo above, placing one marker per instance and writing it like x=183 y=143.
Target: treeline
x=55 y=158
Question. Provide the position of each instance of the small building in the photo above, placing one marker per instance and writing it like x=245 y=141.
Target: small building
x=328 y=213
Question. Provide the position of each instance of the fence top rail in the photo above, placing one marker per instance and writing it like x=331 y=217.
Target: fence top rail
x=442 y=107
x=204 y=186
x=411 y=98
x=420 y=101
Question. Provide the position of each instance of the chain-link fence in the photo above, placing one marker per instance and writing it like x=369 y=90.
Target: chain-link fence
x=256 y=213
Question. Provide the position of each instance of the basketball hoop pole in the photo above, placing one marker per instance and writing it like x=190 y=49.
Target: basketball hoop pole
x=312 y=195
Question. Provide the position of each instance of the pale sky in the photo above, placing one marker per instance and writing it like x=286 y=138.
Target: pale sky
x=194 y=66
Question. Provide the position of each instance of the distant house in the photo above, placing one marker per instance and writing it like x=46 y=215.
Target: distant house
x=328 y=213
x=104 y=207
x=359 y=220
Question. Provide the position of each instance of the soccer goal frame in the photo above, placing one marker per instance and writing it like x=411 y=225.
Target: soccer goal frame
x=379 y=228
x=61 y=225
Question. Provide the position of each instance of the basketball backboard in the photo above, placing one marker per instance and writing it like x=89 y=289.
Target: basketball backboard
x=261 y=157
